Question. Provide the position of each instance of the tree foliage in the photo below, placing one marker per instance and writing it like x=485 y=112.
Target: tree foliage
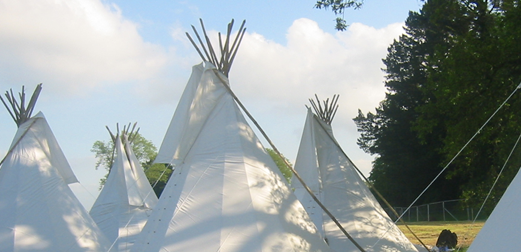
x=338 y=7
x=389 y=133
x=145 y=152
x=158 y=175
x=469 y=83
x=143 y=149
x=454 y=66
x=279 y=161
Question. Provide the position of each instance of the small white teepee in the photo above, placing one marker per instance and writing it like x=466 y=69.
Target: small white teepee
x=225 y=193
x=333 y=179
x=38 y=210
x=126 y=200
x=502 y=230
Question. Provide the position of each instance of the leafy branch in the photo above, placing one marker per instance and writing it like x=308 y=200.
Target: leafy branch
x=338 y=7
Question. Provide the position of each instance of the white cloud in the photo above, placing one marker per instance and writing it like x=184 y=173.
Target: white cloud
x=314 y=61
x=72 y=45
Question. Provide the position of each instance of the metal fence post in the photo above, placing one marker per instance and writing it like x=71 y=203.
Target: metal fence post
x=443 y=209
x=428 y=212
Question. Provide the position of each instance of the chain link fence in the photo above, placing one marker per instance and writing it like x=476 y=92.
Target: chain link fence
x=449 y=210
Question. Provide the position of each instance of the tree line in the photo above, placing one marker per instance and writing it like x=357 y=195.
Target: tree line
x=456 y=63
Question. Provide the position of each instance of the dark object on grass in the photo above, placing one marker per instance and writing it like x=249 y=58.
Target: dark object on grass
x=447 y=239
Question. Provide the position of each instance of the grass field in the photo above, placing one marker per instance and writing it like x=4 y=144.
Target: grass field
x=428 y=232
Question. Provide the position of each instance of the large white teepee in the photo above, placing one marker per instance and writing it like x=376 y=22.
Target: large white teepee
x=502 y=230
x=38 y=210
x=126 y=200
x=226 y=193
x=335 y=182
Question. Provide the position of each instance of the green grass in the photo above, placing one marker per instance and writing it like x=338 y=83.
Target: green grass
x=428 y=232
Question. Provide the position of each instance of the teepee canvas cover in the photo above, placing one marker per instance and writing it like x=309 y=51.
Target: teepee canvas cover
x=38 y=210
x=334 y=181
x=226 y=193
x=502 y=230
x=126 y=200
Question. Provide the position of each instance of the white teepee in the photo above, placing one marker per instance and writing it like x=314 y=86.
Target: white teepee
x=226 y=193
x=38 y=210
x=126 y=200
x=502 y=230
x=335 y=182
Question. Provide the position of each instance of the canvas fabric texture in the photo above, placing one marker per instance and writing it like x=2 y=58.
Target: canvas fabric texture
x=225 y=193
x=335 y=182
x=126 y=200
x=38 y=210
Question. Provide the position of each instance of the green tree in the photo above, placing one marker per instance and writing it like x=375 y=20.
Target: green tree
x=279 y=161
x=338 y=7
x=158 y=175
x=405 y=163
x=456 y=64
x=469 y=83
x=145 y=152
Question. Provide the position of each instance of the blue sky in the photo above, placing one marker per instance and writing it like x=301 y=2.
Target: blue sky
x=107 y=62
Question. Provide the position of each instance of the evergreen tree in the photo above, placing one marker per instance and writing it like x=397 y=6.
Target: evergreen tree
x=457 y=62
x=469 y=82
x=405 y=163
